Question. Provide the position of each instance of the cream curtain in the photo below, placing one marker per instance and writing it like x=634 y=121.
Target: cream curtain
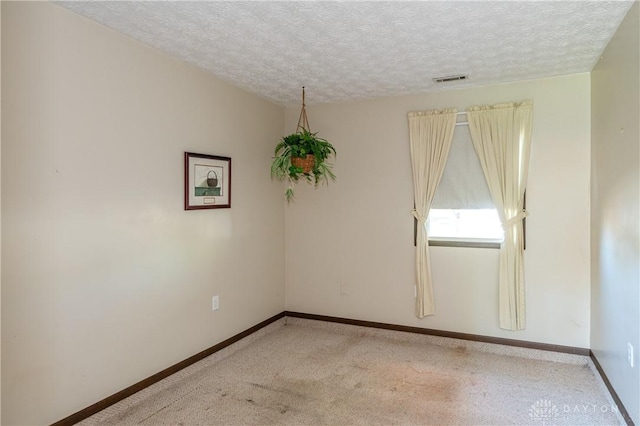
x=430 y=136
x=501 y=135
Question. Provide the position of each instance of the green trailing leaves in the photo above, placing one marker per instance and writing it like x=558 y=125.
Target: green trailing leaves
x=300 y=144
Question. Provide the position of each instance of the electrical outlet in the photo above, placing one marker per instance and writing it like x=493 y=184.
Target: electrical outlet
x=630 y=354
x=344 y=289
x=215 y=303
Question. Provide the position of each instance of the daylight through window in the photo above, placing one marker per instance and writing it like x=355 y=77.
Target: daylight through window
x=472 y=225
x=462 y=212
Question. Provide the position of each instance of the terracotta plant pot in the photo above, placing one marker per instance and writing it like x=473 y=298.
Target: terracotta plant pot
x=305 y=163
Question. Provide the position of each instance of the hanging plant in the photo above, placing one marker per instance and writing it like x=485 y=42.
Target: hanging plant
x=302 y=156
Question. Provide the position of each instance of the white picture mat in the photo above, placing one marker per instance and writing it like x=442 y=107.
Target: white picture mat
x=223 y=199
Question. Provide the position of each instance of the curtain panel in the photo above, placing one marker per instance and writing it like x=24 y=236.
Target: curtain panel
x=430 y=137
x=501 y=136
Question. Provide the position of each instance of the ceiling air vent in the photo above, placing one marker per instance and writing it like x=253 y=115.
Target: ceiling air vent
x=450 y=78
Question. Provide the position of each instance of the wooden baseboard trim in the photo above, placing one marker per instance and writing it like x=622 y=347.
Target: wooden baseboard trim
x=479 y=338
x=614 y=395
x=119 y=396
x=441 y=333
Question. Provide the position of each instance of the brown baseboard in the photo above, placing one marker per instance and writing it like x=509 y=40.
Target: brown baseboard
x=119 y=396
x=478 y=338
x=614 y=395
x=441 y=333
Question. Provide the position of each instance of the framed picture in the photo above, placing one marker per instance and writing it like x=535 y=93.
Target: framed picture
x=207 y=181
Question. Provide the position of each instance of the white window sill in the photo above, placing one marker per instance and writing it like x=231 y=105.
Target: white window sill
x=466 y=242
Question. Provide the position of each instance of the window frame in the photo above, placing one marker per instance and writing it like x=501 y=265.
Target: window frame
x=469 y=242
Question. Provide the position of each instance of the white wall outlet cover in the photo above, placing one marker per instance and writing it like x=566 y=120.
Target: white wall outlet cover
x=215 y=303
x=344 y=289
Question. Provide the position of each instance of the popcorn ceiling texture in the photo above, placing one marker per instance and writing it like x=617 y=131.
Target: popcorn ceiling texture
x=354 y=50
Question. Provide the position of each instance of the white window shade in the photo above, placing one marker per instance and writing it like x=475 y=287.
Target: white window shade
x=463 y=185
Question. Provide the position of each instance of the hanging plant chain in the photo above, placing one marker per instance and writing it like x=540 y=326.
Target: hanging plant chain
x=303 y=122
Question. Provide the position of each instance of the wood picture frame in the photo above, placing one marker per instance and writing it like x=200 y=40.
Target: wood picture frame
x=207 y=181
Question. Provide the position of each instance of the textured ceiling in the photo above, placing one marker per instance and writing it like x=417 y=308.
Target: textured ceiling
x=359 y=49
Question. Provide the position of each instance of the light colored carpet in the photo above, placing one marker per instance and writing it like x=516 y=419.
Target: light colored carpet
x=302 y=372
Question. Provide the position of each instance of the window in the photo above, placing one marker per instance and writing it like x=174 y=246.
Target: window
x=472 y=225
x=462 y=212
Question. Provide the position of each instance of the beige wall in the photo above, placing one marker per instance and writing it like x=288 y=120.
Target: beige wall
x=105 y=278
x=0 y=207
x=356 y=236
x=615 y=212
